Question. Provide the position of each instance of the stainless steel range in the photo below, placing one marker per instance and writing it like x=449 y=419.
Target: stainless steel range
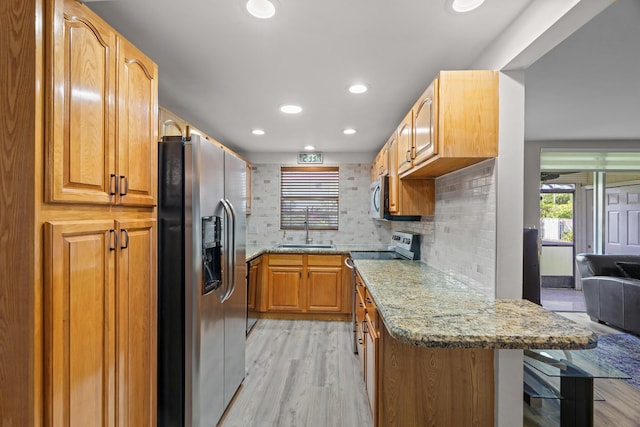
x=403 y=246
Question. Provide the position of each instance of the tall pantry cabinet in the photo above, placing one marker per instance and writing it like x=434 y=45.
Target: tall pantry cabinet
x=80 y=196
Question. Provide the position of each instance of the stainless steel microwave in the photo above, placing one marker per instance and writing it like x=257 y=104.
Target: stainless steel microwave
x=378 y=198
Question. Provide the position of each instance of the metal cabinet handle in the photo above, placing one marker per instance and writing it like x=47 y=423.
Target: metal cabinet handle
x=112 y=247
x=126 y=239
x=407 y=156
x=113 y=184
x=125 y=186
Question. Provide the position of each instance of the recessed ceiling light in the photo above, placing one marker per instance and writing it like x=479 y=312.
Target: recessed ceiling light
x=291 y=109
x=358 y=88
x=309 y=147
x=257 y=132
x=462 y=6
x=349 y=131
x=262 y=9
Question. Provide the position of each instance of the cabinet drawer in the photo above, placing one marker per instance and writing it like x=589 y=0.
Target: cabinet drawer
x=285 y=259
x=325 y=260
x=371 y=309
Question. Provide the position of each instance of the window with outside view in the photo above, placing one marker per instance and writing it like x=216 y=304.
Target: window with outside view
x=556 y=214
x=309 y=192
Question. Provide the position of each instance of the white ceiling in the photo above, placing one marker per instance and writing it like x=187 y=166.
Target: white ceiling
x=227 y=72
x=588 y=87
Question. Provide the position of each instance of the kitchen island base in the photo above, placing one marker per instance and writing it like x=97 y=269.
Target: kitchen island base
x=434 y=386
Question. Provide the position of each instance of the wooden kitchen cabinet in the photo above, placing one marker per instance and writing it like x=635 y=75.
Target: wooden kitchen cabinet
x=367 y=339
x=424 y=141
x=100 y=322
x=285 y=284
x=99 y=264
x=404 y=390
x=371 y=365
x=137 y=322
x=462 y=125
x=137 y=140
x=101 y=136
x=301 y=285
x=80 y=323
x=255 y=271
x=405 y=147
x=324 y=287
x=392 y=153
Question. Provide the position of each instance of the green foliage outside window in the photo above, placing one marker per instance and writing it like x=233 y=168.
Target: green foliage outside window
x=554 y=205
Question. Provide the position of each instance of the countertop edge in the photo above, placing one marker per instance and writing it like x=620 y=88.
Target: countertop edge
x=578 y=337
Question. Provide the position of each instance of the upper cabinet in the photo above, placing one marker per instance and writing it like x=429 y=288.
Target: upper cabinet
x=380 y=164
x=455 y=124
x=424 y=143
x=102 y=115
x=405 y=143
x=137 y=145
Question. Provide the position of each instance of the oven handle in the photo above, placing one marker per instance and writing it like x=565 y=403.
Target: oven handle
x=349 y=263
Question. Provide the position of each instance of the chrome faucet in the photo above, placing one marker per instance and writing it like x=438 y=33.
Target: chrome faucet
x=306 y=226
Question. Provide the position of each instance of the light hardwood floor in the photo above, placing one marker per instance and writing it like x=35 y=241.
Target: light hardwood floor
x=300 y=373
x=303 y=374
x=621 y=404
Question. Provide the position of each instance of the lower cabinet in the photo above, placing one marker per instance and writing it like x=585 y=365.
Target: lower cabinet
x=371 y=365
x=255 y=270
x=100 y=323
x=285 y=286
x=408 y=385
x=301 y=284
x=324 y=283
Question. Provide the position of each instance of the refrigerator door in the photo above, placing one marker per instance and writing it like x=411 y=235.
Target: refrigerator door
x=235 y=306
x=207 y=312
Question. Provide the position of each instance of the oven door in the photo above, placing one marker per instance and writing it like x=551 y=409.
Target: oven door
x=376 y=208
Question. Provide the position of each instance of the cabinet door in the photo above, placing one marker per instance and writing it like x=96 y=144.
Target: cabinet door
x=137 y=132
x=254 y=277
x=392 y=152
x=371 y=366
x=405 y=143
x=80 y=136
x=424 y=139
x=79 y=323
x=383 y=161
x=324 y=289
x=137 y=330
x=285 y=288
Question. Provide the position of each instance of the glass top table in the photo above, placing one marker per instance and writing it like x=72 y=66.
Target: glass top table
x=571 y=363
x=576 y=370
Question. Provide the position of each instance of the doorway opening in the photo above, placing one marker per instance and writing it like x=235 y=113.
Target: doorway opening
x=589 y=203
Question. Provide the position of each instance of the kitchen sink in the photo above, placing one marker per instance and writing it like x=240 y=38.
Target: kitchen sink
x=304 y=246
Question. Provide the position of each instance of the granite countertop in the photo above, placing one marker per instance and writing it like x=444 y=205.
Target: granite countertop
x=253 y=252
x=423 y=306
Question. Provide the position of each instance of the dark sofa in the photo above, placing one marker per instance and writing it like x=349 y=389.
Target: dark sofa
x=611 y=293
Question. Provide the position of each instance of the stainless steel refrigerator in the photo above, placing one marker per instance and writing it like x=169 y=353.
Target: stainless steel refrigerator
x=202 y=292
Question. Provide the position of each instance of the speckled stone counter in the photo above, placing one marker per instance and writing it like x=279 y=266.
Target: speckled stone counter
x=423 y=306
x=253 y=252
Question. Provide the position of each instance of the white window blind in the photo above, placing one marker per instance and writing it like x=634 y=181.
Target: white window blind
x=314 y=188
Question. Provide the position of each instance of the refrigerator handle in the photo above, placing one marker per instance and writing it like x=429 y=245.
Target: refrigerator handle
x=230 y=273
x=233 y=249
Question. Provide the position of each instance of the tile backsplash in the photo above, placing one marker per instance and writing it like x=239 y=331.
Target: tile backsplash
x=460 y=239
x=463 y=242
x=356 y=228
